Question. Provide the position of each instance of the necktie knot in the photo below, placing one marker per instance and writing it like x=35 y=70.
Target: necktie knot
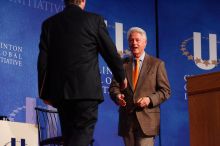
x=136 y=61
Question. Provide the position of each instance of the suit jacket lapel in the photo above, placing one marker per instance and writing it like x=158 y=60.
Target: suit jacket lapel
x=143 y=72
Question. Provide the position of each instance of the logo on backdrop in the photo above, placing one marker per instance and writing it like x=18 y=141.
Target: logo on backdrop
x=11 y=54
x=107 y=78
x=28 y=108
x=195 y=44
x=185 y=89
x=13 y=114
x=41 y=5
x=15 y=142
x=119 y=39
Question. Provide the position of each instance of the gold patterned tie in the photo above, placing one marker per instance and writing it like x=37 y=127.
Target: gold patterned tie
x=136 y=72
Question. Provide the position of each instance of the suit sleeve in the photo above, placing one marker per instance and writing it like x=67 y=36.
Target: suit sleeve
x=109 y=52
x=162 y=86
x=42 y=58
x=114 y=90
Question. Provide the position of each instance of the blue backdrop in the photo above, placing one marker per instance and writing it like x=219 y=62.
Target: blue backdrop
x=184 y=26
x=20 y=30
x=187 y=42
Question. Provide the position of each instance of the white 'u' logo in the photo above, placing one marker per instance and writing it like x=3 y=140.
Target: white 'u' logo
x=212 y=51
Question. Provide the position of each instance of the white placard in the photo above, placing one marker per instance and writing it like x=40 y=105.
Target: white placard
x=18 y=134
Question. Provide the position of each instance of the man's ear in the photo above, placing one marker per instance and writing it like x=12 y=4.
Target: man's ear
x=83 y=4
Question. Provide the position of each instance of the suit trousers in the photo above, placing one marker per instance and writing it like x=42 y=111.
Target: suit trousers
x=78 y=119
x=136 y=137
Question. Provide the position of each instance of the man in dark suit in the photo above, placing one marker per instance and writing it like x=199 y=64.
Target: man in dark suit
x=68 y=69
x=148 y=87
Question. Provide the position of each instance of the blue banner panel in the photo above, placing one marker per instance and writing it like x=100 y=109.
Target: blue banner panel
x=188 y=43
x=20 y=30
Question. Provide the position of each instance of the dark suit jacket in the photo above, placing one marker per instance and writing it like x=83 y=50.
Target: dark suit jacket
x=68 y=59
x=152 y=82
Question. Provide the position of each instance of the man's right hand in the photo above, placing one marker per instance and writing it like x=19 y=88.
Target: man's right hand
x=120 y=100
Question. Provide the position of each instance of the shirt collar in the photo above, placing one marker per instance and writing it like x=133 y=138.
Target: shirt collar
x=141 y=57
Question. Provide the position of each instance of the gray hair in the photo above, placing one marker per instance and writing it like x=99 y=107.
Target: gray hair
x=138 y=30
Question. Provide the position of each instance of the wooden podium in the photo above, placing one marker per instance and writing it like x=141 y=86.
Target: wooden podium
x=204 y=109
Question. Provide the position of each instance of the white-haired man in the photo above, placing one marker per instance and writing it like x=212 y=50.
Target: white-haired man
x=148 y=87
